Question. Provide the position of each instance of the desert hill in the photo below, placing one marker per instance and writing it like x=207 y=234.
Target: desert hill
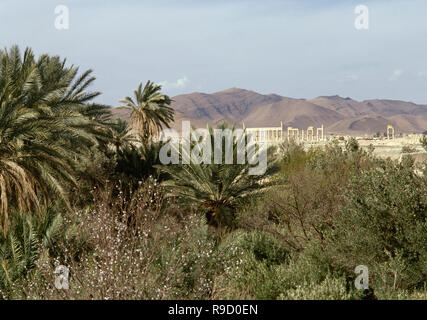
x=337 y=114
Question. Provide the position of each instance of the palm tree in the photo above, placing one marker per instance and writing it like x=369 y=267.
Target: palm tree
x=119 y=134
x=29 y=235
x=219 y=189
x=150 y=110
x=134 y=164
x=42 y=131
x=73 y=100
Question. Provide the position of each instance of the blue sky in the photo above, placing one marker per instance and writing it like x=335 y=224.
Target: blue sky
x=299 y=49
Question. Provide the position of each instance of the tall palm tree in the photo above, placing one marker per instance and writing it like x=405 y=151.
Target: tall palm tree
x=72 y=98
x=219 y=189
x=42 y=132
x=150 y=110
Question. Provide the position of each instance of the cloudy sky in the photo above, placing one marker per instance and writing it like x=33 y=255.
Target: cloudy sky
x=296 y=48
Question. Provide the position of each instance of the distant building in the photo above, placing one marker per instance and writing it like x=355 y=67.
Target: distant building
x=275 y=134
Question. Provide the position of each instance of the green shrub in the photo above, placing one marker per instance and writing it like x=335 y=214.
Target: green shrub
x=408 y=149
x=328 y=289
x=383 y=226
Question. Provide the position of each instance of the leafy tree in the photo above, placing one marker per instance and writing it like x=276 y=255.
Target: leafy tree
x=383 y=223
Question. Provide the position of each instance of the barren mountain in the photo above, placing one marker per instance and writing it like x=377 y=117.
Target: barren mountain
x=337 y=114
x=345 y=106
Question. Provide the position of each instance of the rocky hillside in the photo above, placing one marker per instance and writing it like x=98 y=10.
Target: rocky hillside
x=337 y=114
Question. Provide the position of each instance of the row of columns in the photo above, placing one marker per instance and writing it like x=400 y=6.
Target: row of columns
x=265 y=134
x=277 y=134
x=294 y=133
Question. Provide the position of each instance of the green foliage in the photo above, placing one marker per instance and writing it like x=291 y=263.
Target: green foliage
x=352 y=145
x=218 y=189
x=134 y=164
x=18 y=253
x=119 y=134
x=81 y=190
x=328 y=289
x=150 y=110
x=383 y=226
x=21 y=247
x=408 y=149
x=423 y=141
x=304 y=206
x=43 y=129
x=282 y=275
x=265 y=248
x=294 y=157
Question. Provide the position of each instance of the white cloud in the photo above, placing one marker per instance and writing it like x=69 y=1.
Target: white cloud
x=397 y=73
x=178 y=84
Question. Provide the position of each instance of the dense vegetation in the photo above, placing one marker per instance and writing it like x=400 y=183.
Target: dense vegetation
x=85 y=191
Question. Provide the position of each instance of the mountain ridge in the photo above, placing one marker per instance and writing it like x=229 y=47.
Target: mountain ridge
x=339 y=115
